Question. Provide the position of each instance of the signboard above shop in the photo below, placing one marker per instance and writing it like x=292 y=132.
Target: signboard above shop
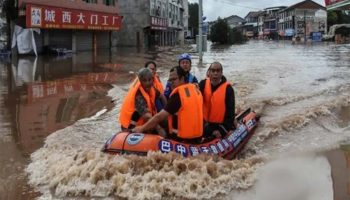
x=48 y=17
x=158 y=23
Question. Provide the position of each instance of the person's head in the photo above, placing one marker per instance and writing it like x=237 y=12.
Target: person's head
x=146 y=78
x=176 y=77
x=185 y=62
x=215 y=73
x=152 y=66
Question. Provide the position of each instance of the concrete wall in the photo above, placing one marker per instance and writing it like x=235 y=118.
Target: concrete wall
x=74 y=4
x=135 y=18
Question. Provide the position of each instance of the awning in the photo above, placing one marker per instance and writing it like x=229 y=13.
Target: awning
x=337 y=4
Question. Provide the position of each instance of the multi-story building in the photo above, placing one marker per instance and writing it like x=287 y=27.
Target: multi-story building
x=79 y=25
x=152 y=22
x=303 y=20
x=251 y=24
x=267 y=21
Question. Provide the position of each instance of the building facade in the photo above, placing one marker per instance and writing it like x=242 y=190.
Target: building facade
x=250 y=28
x=304 y=20
x=152 y=22
x=267 y=22
x=78 y=25
x=234 y=21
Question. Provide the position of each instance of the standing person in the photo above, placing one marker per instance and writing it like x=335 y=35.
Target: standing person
x=218 y=101
x=139 y=103
x=162 y=100
x=185 y=63
x=184 y=110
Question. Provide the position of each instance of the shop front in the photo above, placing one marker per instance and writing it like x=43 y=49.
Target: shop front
x=73 y=29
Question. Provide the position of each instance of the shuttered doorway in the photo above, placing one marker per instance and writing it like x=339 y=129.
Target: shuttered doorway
x=84 y=40
x=103 y=39
x=60 y=39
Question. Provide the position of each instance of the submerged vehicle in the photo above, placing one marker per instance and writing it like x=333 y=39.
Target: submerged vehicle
x=227 y=147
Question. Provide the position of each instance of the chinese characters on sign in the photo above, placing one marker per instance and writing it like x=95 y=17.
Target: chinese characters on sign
x=64 y=18
x=159 y=23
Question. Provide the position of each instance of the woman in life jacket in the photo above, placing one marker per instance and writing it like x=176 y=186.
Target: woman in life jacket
x=139 y=103
x=160 y=102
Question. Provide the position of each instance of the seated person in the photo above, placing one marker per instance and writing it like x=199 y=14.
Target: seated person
x=218 y=101
x=139 y=103
x=185 y=63
x=183 y=110
x=160 y=102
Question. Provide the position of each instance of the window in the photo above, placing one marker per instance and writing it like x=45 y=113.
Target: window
x=109 y=2
x=90 y=1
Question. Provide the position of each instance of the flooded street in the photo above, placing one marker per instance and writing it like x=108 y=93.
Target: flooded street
x=56 y=114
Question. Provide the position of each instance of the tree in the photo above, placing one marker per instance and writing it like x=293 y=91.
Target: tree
x=219 y=32
x=236 y=36
x=337 y=17
x=193 y=9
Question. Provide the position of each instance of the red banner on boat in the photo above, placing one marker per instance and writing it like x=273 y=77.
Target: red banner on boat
x=38 y=16
x=330 y=2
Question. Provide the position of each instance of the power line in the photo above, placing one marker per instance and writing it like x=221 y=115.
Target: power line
x=237 y=5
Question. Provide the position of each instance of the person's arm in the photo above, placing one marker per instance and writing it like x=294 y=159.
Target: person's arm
x=141 y=107
x=163 y=99
x=230 y=108
x=201 y=86
x=152 y=123
x=195 y=80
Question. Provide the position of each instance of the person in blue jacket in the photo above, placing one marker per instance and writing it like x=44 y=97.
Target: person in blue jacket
x=185 y=63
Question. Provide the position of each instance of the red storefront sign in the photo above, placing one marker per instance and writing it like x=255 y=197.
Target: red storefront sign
x=38 y=16
x=330 y=2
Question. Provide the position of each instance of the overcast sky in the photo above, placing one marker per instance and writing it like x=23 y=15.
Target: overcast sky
x=212 y=9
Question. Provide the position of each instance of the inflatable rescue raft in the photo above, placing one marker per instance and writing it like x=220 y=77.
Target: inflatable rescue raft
x=227 y=147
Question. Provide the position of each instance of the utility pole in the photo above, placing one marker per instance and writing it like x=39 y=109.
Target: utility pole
x=200 y=33
x=304 y=26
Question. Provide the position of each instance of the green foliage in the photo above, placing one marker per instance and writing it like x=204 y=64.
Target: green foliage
x=236 y=37
x=337 y=17
x=193 y=9
x=221 y=33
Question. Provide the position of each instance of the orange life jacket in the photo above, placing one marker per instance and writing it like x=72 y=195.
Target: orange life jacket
x=190 y=114
x=128 y=108
x=157 y=84
x=214 y=102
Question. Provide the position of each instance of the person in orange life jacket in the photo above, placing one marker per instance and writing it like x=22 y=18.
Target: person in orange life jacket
x=185 y=63
x=160 y=102
x=184 y=110
x=218 y=102
x=138 y=106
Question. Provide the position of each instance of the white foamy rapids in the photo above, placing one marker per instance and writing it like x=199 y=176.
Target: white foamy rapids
x=91 y=173
x=302 y=123
x=71 y=164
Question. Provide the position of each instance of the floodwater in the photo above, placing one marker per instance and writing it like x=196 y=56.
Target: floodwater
x=299 y=151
